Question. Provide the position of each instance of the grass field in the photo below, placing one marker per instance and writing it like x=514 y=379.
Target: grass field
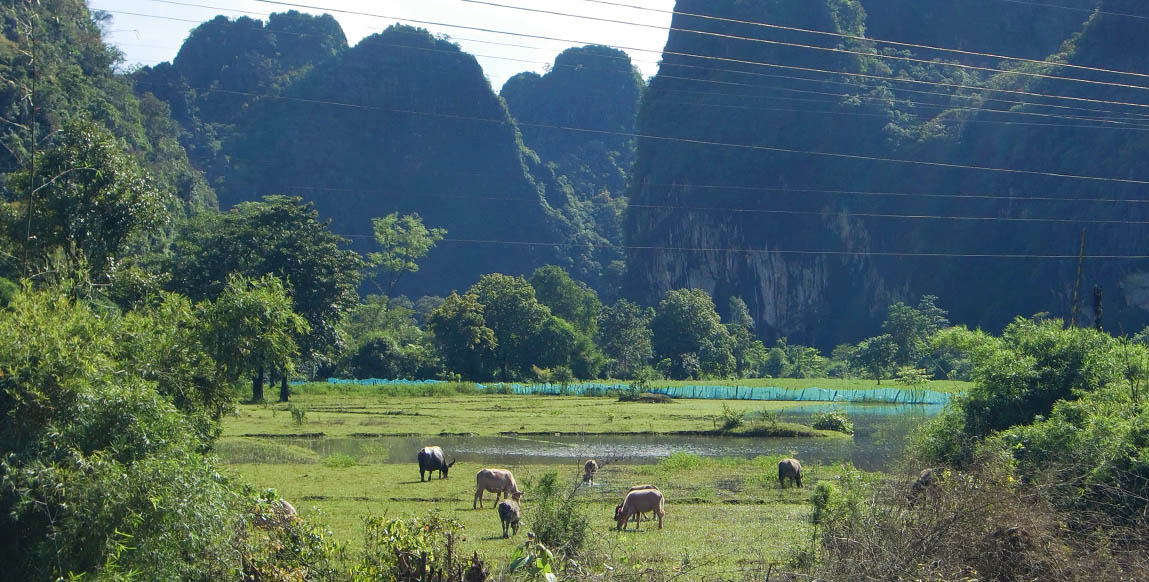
x=724 y=515
x=366 y=410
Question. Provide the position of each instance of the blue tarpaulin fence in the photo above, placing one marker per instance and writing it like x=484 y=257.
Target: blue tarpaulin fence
x=883 y=395
x=704 y=391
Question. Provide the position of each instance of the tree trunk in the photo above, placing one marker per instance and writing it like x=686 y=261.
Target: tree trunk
x=284 y=393
x=257 y=386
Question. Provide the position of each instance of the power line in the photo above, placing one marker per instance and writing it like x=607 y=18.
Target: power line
x=783 y=212
x=750 y=147
x=788 y=190
x=858 y=253
x=836 y=50
x=893 y=42
x=738 y=61
x=724 y=59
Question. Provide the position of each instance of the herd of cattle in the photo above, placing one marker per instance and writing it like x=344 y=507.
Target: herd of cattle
x=639 y=500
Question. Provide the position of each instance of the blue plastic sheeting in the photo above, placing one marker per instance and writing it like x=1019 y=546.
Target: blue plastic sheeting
x=878 y=395
x=378 y=381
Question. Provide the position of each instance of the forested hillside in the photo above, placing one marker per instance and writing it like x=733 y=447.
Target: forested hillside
x=68 y=74
x=595 y=89
x=405 y=122
x=820 y=197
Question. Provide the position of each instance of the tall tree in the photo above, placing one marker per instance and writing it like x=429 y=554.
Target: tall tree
x=281 y=236
x=910 y=328
x=511 y=310
x=252 y=328
x=876 y=355
x=569 y=299
x=684 y=320
x=624 y=335
x=404 y=240
x=462 y=336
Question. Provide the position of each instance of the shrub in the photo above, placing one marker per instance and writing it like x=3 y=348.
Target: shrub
x=298 y=413
x=730 y=418
x=557 y=521
x=835 y=420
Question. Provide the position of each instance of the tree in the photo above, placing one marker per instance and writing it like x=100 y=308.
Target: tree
x=569 y=299
x=910 y=328
x=511 y=310
x=738 y=314
x=462 y=336
x=876 y=355
x=624 y=336
x=683 y=320
x=404 y=241
x=86 y=197
x=252 y=328
x=281 y=236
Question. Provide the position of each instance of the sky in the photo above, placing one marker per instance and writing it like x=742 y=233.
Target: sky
x=151 y=31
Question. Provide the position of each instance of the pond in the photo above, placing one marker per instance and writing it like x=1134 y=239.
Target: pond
x=881 y=431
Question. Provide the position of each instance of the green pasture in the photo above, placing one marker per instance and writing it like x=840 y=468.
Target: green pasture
x=722 y=514
x=348 y=410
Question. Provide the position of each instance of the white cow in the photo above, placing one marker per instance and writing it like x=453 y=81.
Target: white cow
x=497 y=481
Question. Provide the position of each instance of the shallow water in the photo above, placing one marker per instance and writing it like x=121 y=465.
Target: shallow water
x=880 y=436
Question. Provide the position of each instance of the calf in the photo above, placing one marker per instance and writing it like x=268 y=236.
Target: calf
x=510 y=513
x=588 y=471
x=431 y=459
x=637 y=503
x=789 y=469
x=497 y=481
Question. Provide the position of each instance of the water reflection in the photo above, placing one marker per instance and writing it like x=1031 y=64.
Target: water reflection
x=880 y=436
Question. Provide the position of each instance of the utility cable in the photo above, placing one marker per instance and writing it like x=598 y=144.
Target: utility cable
x=893 y=42
x=713 y=58
x=837 y=50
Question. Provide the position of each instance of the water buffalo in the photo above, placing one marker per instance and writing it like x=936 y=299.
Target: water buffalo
x=637 y=503
x=926 y=483
x=618 y=508
x=509 y=513
x=430 y=460
x=588 y=471
x=789 y=469
x=497 y=481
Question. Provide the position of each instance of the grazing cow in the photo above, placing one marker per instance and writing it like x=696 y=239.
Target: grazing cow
x=618 y=508
x=588 y=471
x=431 y=459
x=789 y=469
x=509 y=513
x=497 y=481
x=637 y=503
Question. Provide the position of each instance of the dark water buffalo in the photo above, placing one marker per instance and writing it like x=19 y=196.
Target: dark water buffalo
x=510 y=513
x=789 y=469
x=926 y=484
x=430 y=460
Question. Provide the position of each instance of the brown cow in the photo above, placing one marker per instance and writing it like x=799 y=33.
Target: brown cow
x=497 y=481
x=618 y=508
x=637 y=503
x=588 y=471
